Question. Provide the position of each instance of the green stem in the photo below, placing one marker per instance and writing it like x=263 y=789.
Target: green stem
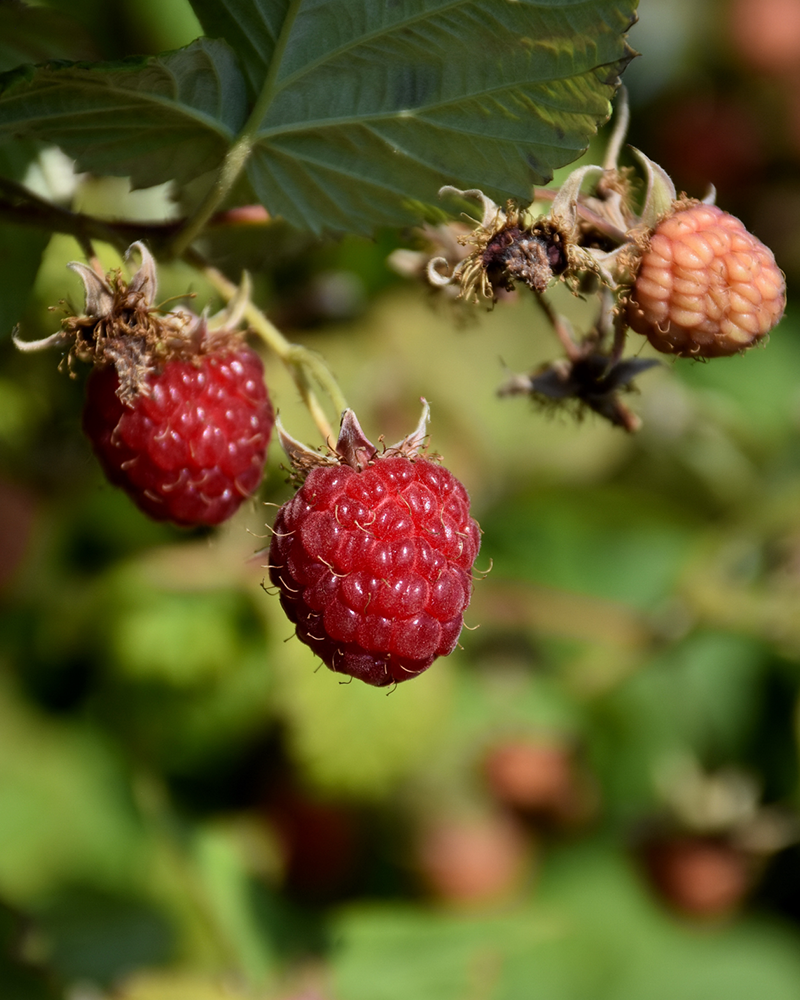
x=300 y=375
x=571 y=349
x=303 y=365
x=318 y=368
x=155 y=810
x=237 y=156
x=233 y=164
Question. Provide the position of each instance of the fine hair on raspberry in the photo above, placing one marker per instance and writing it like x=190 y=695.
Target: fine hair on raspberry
x=373 y=565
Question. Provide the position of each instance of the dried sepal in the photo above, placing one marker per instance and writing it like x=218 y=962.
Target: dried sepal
x=31 y=346
x=98 y=292
x=353 y=447
x=145 y=280
x=565 y=204
x=515 y=244
x=302 y=458
x=491 y=211
x=590 y=381
x=121 y=325
x=509 y=244
x=412 y=444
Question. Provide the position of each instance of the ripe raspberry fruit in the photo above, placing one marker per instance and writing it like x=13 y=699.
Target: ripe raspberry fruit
x=372 y=556
x=176 y=407
x=705 y=286
x=191 y=444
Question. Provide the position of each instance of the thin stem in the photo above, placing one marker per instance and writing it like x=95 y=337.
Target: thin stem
x=237 y=156
x=301 y=363
x=233 y=164
x=558 y=323
x=319 y=369
x=24 y=208
x=303 y=383
x=620 y=336
x=620 y=131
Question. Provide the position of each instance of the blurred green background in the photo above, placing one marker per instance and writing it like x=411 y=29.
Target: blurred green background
x=595 y=799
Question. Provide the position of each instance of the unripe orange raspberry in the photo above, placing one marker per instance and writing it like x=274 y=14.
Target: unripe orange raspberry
x=705 y=287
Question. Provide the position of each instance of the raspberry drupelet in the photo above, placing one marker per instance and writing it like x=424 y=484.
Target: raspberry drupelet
x=372 y=558
x=191 y=444
x=705 y=286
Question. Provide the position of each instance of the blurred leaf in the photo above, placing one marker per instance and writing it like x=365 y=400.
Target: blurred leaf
x=21 y=247
x=65 y=814
x=349 y=738
x=699 y=697
x=655 y=957
x=370 y=105
x=184 y=985
x=760 y=388
x=180 y=638
x=228 y=885
x=170 y=117
x=606 y=543
x=392 y=953
x=594 y=934
x=33 y=34
x=99 y=937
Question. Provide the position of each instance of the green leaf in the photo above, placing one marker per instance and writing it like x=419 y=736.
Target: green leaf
x=361 y=108
x=168 y=117
x=33 y=34
x=592 y=931
x=251 y=28
x=364 y=106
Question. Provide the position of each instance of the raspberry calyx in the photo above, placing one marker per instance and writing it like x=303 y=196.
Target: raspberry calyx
x=372 y=557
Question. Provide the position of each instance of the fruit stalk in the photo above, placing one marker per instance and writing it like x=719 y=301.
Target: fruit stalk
x=301 y=363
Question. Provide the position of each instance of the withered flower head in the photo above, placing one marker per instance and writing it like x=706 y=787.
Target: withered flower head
x=515 y=244
x=121 y=325
x=599 y=232
x=508 y=245
x=591 y=381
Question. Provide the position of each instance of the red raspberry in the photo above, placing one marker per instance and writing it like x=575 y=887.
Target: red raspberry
x=190 y=446
x=176 y=406
x=705 y=286
x=373 y=564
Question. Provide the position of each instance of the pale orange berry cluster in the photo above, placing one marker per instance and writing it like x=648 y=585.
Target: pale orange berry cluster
x=705 y=287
